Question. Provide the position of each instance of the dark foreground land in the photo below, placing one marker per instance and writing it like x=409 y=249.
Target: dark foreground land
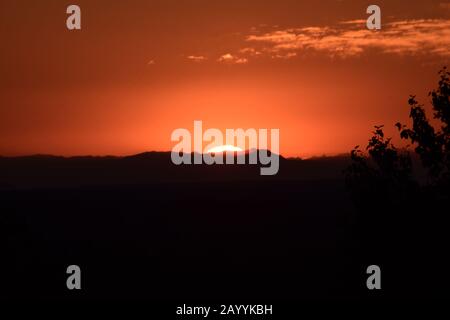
x=140 y=227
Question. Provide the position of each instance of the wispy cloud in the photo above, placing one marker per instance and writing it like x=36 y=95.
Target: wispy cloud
x=285 y=55
x=232 y=59
x=197 y=58
x=357 y=22
x=250 y=51
x=351 y=38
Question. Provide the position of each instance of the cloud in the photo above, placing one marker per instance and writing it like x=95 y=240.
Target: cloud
x=151 y=62
x=286 y=55
x=197 y=58
x=356 y=22
x=231 y=59
x=351 y=38
x=250 y=51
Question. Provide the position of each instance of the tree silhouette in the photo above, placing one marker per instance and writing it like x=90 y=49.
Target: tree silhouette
x=386 y=166
x=387 y=193
x=432 y=146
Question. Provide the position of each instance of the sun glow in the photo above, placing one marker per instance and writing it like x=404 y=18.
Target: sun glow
x=224 y=148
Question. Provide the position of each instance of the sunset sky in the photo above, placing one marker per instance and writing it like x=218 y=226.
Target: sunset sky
x=139 y=69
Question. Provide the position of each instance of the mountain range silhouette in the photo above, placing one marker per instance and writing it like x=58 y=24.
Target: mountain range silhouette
x=141 y=227
x=148 y=167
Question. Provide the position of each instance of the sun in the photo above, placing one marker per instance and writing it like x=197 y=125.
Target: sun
x=224 y=148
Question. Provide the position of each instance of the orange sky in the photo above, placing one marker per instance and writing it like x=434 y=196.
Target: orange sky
x=140 y=69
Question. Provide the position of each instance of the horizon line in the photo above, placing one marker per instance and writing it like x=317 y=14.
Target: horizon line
x=321 y=155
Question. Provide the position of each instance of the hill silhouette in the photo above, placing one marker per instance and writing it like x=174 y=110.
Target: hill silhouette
x=142 y=227
x=40 y=171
